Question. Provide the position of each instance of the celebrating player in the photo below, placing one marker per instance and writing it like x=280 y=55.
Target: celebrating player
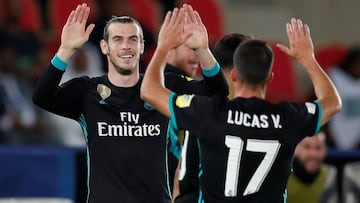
x=246 y=143
x=126 y=138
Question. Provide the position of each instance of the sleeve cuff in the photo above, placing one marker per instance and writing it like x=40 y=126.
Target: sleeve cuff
x=318 y=126
x=58 y=63
x=212 y=71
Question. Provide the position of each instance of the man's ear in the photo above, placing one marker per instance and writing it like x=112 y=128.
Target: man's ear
x=104 y=47
x=233 y=75
x=142 y=47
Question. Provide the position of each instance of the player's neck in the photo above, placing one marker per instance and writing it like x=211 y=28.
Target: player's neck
x=120 y=80
x=246 y=91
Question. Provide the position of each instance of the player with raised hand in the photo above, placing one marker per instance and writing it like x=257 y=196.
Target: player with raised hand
x=126 y=138
x=247 y=144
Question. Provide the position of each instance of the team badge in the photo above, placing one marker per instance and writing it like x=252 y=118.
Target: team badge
x=311 y=107
x=187 y=78
x=184 y=100
x=104 y=91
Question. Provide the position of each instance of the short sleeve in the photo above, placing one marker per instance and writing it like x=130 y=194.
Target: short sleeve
x=188 y=111
x=303 y=118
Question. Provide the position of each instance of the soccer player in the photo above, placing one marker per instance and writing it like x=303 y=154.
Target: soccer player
x=246 y=144
x=126 y=138
x=188 y=180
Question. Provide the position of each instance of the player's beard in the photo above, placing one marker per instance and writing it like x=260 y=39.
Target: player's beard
x=123 y=71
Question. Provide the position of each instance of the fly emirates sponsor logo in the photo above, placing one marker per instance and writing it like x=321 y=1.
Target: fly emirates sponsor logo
x=130 y=127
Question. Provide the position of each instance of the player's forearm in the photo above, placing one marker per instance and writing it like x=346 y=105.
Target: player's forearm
x=325 y=90
x=213 y=75
x=206 y=58
x=46 y=87
x=153 y=89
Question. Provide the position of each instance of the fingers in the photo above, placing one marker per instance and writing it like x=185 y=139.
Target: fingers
x=89 y=29
x=180 y=18
x=190 y=14
x=283 y=48
x=76 y=14
x=298 y=29
x=167 y=18
x=173 y=16
x=80 y=14
x=198 y=18
x=86 y=15
x=307 y=31
x=71 y=17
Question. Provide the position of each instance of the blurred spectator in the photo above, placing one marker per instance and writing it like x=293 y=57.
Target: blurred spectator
x=2 y=112
x=311 y=181
x=86 y=62
x=15 y=41
x=20 y=51
x=344 y=127
x=19 y=115
x=351 y=182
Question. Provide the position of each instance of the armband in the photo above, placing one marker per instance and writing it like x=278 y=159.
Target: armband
x=58 y=63
x=212 y=71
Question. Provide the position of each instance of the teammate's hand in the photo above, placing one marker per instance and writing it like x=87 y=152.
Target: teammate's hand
x=171 y=33
x=193 y=24
x=74 y=34
x=301 y=45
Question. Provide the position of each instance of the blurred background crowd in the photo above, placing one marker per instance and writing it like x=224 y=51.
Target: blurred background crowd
x=30 y=33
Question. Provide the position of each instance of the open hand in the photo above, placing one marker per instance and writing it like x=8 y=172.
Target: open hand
x=74 y=34
x=301 y=45
x=199 y=38
x=172 y=34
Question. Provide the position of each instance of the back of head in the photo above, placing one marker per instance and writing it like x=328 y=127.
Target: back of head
x=253 y=60
x=225 y=47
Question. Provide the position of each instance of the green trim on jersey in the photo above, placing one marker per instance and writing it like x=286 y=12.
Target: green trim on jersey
x=83 y=125
x=172 y=112
x=319 y=117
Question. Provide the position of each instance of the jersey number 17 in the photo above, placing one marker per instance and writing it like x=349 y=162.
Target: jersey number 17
x=235 y=145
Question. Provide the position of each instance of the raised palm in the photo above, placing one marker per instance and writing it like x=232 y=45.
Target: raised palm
x=74 y=34
x=194 y=25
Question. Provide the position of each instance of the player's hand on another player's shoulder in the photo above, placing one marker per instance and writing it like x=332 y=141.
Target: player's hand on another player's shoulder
x=300 y=43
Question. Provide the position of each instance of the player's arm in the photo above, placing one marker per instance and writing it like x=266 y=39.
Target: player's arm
x=199 y=42
x=301 y=48
x=47 y=94
x=170 y=36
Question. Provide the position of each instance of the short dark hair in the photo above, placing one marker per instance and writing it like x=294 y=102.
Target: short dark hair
x=253 y=60
x=124 y=20
x=225 y=47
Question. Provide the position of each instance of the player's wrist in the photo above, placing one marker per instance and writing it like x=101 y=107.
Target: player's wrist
x=210 y=72
x=308 y=61
x=58 y=63
x=65 y=53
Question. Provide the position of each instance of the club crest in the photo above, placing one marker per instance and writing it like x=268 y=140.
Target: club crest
x=104 y=91
x=183 y=100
